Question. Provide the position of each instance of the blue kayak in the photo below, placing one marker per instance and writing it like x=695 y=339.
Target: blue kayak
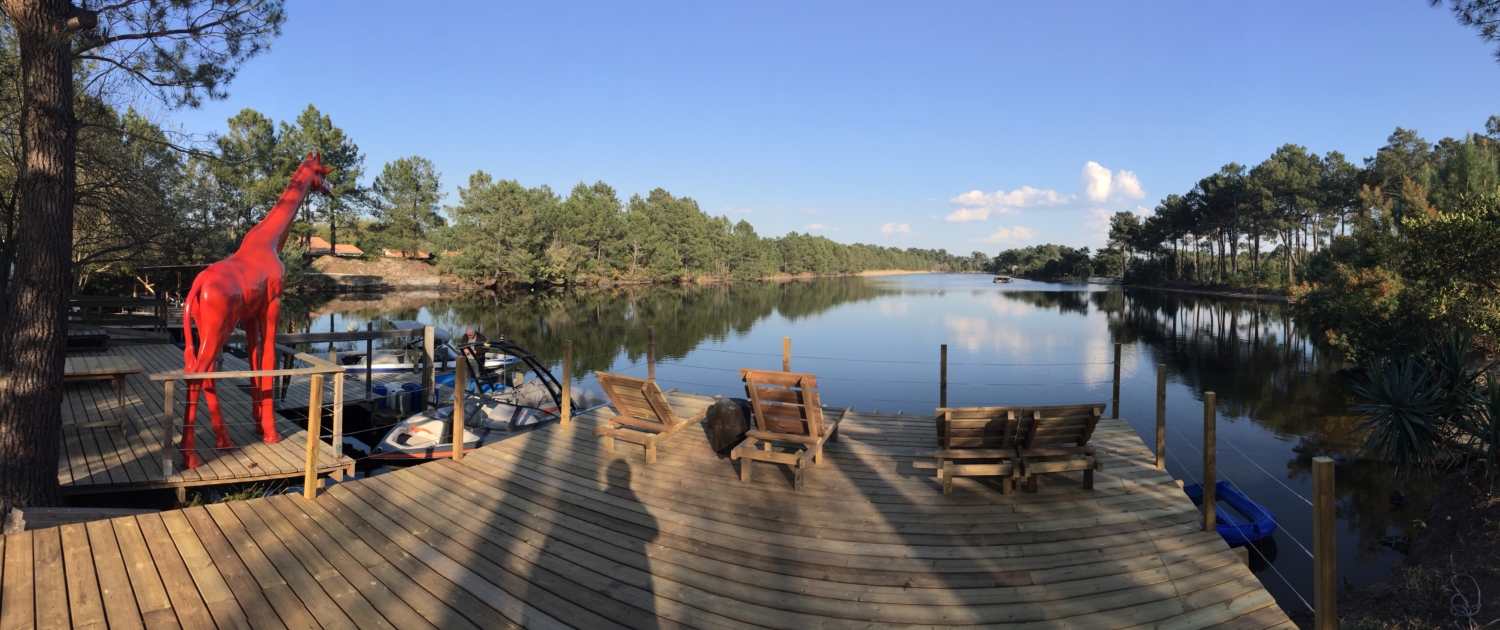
x=1257 y=521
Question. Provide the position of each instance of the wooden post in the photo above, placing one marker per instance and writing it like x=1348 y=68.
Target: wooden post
x=1161 y=416
x=169 y=409
x=338 y=415
x=1116 y=412
x=460 y=385
x=567 y=382
x=369 y=365
x=943 y=379
x=786 y=354
x=1210 y=472
x=1325 y=547
x=314 y=431
x=429 y=386
x=651 y=353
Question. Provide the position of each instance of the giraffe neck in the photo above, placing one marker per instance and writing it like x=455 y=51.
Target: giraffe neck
x=271 y=233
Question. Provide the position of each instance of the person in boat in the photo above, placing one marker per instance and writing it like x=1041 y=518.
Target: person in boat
x=472 y=336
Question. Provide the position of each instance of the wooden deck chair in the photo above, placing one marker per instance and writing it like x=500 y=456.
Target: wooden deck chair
x=644 y=417
x=1056 y=439
x=977 y=442
x=787 y=410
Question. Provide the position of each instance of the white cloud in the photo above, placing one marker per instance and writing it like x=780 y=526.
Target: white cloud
x=1143 y=212
x=1009 y=235
x=976 y=205
x=1100 y=183
x=1127 y=185
x=1097 y=223
x=896 y=228
x=818 y=227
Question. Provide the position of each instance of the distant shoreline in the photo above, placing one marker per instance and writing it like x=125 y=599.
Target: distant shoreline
x=888 y=272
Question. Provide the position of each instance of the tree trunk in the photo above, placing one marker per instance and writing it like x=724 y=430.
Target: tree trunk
x=34 y=331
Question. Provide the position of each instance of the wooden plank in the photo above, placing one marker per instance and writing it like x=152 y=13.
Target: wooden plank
x=85 y=604
x=17 y=605
x=215 y=591
x=114 y=583
x=334 y=583
x=50 y=579
x=249 y=593
x=186 y=601
x=151 y=596
x=303 y=583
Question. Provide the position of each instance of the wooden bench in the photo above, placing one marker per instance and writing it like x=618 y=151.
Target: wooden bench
x=787 y=410
x=1056 y=439
x=111 y=368
x=644 y=417
x=977 y=442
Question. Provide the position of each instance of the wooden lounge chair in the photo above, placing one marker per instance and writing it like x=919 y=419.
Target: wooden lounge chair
x=644 y=417
x=1056 y=439
x=787 y=410
x=977 y=442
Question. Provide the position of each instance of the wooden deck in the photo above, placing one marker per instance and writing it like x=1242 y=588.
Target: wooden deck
x=543 y=530
x=101 y=459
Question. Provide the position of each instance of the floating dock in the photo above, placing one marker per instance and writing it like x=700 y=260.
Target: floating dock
x=544 y=530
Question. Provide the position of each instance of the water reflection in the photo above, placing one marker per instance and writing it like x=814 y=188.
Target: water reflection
x=1281 y=399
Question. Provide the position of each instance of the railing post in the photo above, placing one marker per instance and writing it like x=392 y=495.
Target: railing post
x=369 y=365
x=429 y=386
x=314 y=431
x=338 y=415
x=943 y=378
x=1116 y=412
x=1210 y=472
x=786 y=354
x=1325 y=547
x=1161 y=416
x=169 y=410
x=651 y=353
x=460 y=386
x=567 y=382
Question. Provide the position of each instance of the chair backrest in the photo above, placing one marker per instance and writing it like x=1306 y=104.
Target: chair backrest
x=784 y=402
x=1058 y=426
x=977 y=427
x=637 y=398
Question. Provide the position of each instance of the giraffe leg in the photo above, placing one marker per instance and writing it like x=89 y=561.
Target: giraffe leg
x=211 y=338
x=259 y=385
x=269 y=321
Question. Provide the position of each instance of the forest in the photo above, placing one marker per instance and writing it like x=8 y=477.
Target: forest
x=147 y=198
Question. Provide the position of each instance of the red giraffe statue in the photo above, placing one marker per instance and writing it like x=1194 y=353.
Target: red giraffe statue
x=243 y=289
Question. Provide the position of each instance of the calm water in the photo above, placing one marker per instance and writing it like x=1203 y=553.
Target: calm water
x=874 y=344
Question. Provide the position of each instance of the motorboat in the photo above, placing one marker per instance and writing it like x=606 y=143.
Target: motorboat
x=1002 y=278
x=1253 y=521
x=410 y=357
x=498 y=403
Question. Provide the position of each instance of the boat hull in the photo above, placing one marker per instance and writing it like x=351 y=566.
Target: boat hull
x=1258 y=522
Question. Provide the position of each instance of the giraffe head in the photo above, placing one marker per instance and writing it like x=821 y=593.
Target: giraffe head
x=319 y=174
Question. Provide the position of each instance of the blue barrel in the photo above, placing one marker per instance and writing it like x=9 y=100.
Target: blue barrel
x=379 y=391
x=415 y=393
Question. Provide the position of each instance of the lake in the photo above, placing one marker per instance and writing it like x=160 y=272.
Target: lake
x=874 y=343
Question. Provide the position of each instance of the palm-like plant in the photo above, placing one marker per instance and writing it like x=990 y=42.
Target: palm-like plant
x=1403 y=404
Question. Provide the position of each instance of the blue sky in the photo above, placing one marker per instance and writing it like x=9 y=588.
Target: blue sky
x=962 y=125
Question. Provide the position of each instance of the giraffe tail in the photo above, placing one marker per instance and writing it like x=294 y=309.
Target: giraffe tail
x=189 y=346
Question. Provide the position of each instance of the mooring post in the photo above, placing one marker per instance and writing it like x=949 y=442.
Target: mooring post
x=786 y=354
x=314 y=431
x=461 y=383
x=567 y=382
x=429 y=386
x=1116 y=412
x=943 y=378
x=369 y=365
x=1161 y=416
x=650 y=353
x=1325 y=547
x=1210 y=473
